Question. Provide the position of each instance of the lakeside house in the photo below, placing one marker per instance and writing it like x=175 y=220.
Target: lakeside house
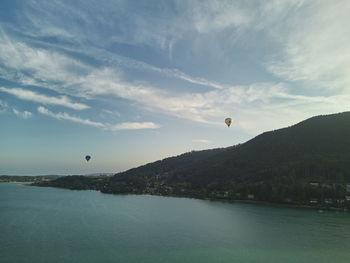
x=250 y=196
x=313 y=201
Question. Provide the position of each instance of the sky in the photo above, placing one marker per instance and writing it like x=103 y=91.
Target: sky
x=131 y=82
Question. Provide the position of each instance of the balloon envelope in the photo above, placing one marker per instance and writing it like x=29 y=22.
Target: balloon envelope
x=228 y=121
x=87 y=157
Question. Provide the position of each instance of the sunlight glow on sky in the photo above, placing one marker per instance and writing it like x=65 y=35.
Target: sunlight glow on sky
x=130 y=82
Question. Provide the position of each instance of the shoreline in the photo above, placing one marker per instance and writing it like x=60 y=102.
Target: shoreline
x=266 y=203
x=256 y=202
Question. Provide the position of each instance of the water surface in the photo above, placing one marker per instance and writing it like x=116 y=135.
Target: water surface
x=58 y=225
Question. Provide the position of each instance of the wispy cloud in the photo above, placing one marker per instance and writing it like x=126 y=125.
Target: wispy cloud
x=207 y=107
x=28 y=65
x=316 y=55
x=174 y=73
x=66 y=116
x=24 y=114
x=317 y=50
x=44 y=99
x=133 y=126
x=201 y=141
x=246 y=101
x=105 y=126
x=209 y=16
x=3 y=106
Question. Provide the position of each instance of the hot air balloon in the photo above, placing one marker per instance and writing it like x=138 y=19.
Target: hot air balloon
x=87 y=158
x=228 y=121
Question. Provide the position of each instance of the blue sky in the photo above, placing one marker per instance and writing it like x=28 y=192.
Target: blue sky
x=130 y=82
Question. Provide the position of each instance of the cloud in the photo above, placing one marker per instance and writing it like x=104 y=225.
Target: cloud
x=88 y=82
x=115 y=60
x=209 y=16
x=174 y=73
x=105 y=126
x=24 y=114
x=44 y=99
x=317 y=50
x=55 y=70
x=3 y=106
x=66 y=116
x=206 y=107
x=201 y=141
x=246 y=101
x=133 y=126
x=309 y=50
x=40 y=67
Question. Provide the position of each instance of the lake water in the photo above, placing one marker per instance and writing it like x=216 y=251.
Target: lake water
x=57 y=225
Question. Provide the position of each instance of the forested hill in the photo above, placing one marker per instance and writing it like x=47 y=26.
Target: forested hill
x=315 y=149
x=274 y=166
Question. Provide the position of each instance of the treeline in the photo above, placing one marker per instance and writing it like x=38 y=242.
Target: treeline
x=10 y=178
x=75 y=182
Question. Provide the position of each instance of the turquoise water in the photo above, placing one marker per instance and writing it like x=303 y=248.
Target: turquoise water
x=57 y=225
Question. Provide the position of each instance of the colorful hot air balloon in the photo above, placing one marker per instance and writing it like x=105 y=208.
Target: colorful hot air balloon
x=87 y=157
x=228 y=121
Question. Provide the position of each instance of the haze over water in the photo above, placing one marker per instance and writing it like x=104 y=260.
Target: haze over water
x=56 y=225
